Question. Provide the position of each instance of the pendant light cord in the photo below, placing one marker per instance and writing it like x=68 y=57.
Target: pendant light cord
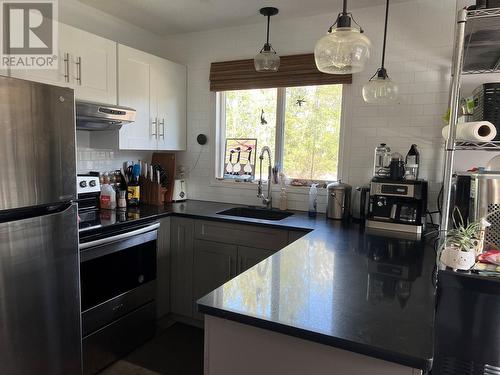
x=385 y=34
x=344 y=7
x=268 y=23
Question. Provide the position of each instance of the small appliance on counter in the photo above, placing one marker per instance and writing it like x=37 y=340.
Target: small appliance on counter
x=477 y=195
x=360 y=201
x=179 y=191
x=338 y=200
x=393 y=166
x=398 y=205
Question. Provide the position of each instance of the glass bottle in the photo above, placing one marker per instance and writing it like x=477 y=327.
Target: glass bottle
x=412 y=163
x=283 y=200
x=133 y=188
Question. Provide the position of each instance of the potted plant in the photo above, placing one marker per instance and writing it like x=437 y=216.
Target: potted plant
x=463 y=243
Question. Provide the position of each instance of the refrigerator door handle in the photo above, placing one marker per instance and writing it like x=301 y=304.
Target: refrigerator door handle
x=29 y=212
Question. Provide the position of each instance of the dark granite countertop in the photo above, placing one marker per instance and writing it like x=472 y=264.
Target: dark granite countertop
x=341 y=285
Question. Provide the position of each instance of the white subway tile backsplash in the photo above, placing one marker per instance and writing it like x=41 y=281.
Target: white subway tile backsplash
x=96 y=160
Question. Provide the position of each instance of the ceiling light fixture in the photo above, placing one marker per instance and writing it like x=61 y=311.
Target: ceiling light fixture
x=380 y=88
x=267 y=60
x=345 y=49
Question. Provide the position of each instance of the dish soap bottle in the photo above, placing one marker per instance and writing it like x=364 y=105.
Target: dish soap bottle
x=283 y=199
x=313 y=200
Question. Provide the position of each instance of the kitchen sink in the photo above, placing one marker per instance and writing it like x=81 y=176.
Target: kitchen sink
x=256 y=213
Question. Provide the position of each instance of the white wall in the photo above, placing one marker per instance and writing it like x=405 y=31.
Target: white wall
x=418 y=57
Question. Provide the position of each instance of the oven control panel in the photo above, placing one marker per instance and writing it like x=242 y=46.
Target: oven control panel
x=87 y=184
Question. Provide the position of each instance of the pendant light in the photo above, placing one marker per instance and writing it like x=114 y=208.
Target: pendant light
x=267 y=60
x=380 y=88
x=345 y=49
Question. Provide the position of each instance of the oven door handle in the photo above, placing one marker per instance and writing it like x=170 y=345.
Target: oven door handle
x=119 y=237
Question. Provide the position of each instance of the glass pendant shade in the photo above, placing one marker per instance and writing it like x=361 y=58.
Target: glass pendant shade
x=380 y=90
x=344 y=50
x=267 y=60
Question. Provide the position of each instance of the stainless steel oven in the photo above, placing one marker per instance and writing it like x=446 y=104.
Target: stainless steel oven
x=118 y=289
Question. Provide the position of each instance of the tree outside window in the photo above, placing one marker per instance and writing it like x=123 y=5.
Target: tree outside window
x=301 y=125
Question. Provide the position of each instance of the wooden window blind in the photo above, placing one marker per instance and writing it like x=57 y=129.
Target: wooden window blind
x=295 y=70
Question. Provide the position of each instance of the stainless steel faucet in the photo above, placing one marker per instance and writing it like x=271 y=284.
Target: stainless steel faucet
x=266 y=200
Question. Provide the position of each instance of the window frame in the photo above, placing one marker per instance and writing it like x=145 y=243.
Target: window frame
x=220 y=125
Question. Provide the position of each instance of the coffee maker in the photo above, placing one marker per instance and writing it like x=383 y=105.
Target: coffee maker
x=398 y=205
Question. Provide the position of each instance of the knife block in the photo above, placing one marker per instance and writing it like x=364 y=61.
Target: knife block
x=167 y=161
x=153 y=193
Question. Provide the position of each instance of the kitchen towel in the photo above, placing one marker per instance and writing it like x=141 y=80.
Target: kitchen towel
x=478 y=131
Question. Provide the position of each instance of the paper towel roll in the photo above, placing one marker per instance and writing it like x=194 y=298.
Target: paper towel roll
x=478 y=131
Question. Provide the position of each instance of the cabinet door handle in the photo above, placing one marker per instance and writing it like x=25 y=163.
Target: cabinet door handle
x=162 y=123
x=79 y=70
x=66 y=67
x=154 y=127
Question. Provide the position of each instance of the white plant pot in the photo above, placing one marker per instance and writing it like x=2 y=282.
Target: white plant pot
x=457 y=259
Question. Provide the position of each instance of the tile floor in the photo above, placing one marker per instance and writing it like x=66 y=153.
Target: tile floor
x=178 y=350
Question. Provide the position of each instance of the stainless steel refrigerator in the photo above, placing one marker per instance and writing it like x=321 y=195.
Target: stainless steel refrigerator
x=40 y=330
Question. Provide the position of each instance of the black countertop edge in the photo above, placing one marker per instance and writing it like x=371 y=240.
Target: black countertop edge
x=161 y=213
x=385 y=355
x=243 y=220
x=469 y=281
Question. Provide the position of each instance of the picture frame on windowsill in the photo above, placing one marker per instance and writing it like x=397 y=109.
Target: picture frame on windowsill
x=240 y=157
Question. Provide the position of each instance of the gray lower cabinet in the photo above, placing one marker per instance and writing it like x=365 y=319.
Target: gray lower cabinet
x=252 y=235
x=214 y=264
x=163 y=269
x=181 y=266
x=205 y=254
x=250 y=256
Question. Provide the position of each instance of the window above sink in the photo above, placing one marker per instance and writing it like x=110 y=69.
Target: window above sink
x=301 y=125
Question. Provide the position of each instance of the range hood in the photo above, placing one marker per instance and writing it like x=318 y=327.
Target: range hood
x=96 y=116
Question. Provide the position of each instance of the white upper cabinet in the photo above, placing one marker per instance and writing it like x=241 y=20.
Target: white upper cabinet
x=87 y=63
x=156 y=88
x=58 y=77
x=100 y=70
x=171 y=102
x=134 y=90
x=92 y=64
